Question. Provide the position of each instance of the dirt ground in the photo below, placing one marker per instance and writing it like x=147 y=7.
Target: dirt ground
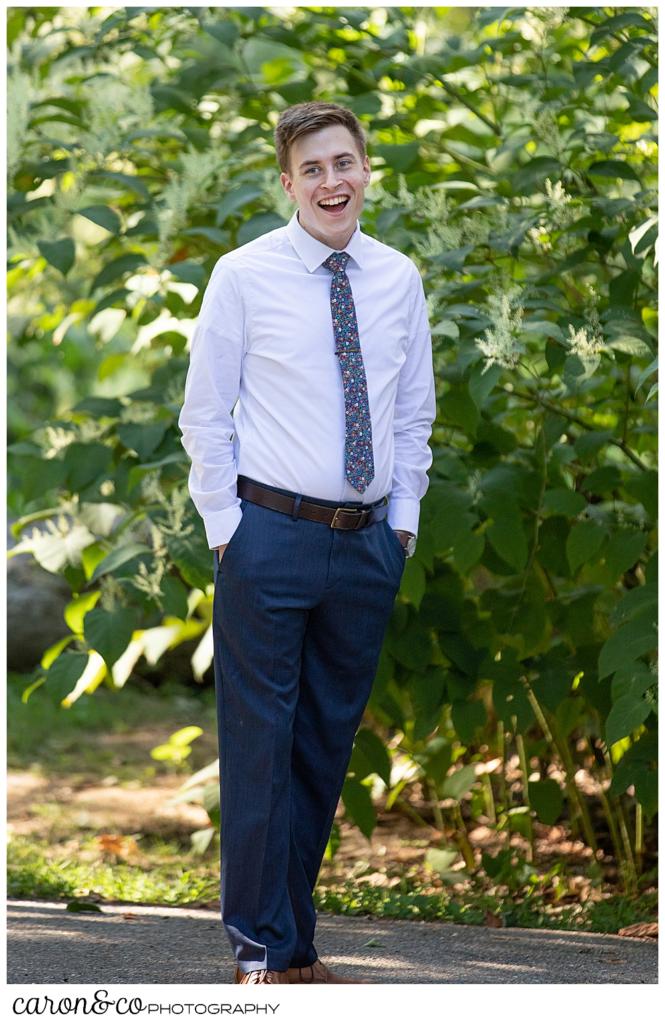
x=55 y=807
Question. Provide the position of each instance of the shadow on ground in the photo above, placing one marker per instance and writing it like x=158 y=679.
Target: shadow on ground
x=130 y=944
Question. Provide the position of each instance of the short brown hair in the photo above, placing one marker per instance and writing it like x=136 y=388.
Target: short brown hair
x=311 y=117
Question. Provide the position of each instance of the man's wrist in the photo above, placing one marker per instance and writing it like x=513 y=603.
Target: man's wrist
x=407 y=540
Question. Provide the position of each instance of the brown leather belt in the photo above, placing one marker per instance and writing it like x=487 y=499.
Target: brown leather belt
x=338 y=517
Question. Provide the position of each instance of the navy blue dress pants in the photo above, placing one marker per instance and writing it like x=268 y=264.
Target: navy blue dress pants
x=300 y=613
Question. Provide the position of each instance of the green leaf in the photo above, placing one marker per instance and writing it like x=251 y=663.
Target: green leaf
x=412 y=647
x=237 y=199
x=436 y=759
x=398 y=157
x=613 y=169
x=627 y=714
x=468 y=716
x=414 y=582
x=440 y=861
x=589 y=443
x=358 y=806
x=631 y=346
x=104 y=216
x=118 y=558
x=630 y=642
x=175 y=597
x=130 y=181
x=563 y=501
x=510 y=699
x=117 y=268
x=546 y=799
x=193 y=559
x=83 y=907
x=427 y=696
x=633 y=680
x=507 y=537
x=635 y=602
x=602 y=480
x=109 y=632
x=468 y=551
x=584 y=541
x=459 y=783
x=60 y=254
x=624 y=550
x=258 y=225
x=85 y=463
x=189 y=271
x=64 y=674
x=369 y=756
x=644 y=487
x=533 y=174
x=97 y=406
x=143 y=438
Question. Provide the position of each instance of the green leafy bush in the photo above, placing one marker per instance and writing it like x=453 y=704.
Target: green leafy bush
x=514 y=158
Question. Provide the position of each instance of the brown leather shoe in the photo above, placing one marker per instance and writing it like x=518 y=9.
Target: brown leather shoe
x=318 y=974
x=260 y=977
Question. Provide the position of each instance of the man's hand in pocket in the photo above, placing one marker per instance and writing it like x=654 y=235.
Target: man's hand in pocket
x=220 y=550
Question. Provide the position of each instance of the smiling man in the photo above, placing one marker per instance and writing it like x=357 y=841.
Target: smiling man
x=308 y=409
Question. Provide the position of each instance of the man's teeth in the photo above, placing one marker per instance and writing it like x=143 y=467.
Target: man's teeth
x=333 y=202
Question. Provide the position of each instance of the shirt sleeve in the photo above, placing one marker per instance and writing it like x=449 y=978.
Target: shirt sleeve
x=211 y=391
x=415 y=412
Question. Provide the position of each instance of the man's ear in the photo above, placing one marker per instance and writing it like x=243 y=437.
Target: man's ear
x=367 y=171
x=287 y=185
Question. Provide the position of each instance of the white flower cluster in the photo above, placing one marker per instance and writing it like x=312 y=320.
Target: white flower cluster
x=138 y=412
x=175 y=508
x=55 y=440
x=193 y=183
x=111 y=593
x=587 y=342
x=501 y=343
x=276 y=197
x=538 y=22
x=379 y=196
x=114 y=109
x=583 y=343
x=174 y=505
x=150 y=582
x=20 y=94
x=546 y=128
x=151 y=488
x=557 y=214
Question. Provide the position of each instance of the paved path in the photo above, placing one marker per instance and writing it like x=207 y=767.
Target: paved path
x=129 y=944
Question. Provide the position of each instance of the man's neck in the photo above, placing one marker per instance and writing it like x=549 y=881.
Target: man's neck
x=335 y=244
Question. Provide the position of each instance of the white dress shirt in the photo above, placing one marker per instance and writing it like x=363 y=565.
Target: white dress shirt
x=264 y=395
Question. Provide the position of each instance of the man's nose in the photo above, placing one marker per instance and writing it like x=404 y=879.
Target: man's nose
x=331 y=178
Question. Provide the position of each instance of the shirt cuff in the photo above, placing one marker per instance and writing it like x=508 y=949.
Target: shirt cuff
x=404 y=514
x=220 y=526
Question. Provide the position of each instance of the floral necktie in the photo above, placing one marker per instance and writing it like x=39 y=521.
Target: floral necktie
x=358 y=457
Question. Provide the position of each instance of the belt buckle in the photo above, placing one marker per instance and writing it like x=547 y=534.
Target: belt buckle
x=358 y=512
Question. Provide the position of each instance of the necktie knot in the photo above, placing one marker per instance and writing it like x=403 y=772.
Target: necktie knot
x=336 y=261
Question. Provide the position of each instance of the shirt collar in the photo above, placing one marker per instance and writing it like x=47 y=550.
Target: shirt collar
x=313 y=252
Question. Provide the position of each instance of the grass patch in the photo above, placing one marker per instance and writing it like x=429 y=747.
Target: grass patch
x=167 y=873
x=410 y=903
x=106 y=732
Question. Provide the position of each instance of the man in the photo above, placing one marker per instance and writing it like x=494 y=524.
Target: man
x=309 y=488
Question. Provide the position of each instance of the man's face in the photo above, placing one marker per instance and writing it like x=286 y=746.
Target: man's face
x=325 y=165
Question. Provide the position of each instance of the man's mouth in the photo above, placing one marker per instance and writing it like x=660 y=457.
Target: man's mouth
x=335 y=204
